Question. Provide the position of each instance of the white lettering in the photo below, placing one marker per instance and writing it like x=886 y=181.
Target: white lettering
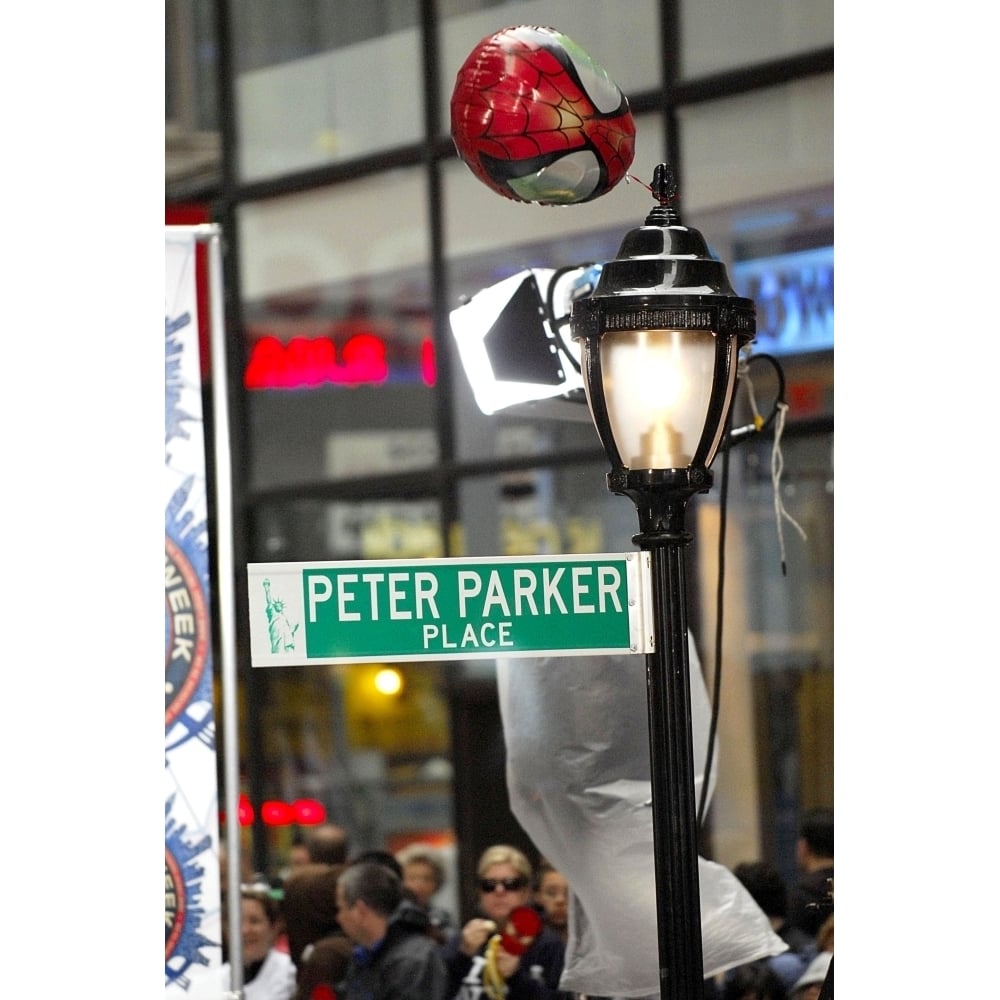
x=550 y=588
x=472 y=984
x=319 y=591
x=426 y=587
x=495 y=595
x=344 y=597
x=488 y=634
x=396 y=594
x=525 y=583
x=373 y=579
x=469 y=585
x=608 y=582
x=580 y=588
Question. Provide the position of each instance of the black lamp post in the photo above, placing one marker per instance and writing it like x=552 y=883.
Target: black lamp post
x=660 y=338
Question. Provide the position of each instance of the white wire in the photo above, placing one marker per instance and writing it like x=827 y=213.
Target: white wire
x=777 y=459
x=777 y=467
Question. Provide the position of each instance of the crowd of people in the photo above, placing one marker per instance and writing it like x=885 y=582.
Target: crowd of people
x=367 y=927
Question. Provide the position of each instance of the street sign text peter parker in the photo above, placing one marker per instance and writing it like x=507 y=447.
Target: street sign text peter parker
x=462 y=608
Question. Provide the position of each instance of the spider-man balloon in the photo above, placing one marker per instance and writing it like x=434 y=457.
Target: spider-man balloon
x=537 y=120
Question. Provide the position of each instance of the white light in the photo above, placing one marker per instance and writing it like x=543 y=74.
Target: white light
x=470 y=323
x=657 y=387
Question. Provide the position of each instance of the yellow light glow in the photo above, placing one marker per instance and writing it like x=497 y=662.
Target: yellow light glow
x=389 y=681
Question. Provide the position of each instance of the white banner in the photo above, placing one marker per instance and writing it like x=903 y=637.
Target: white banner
x=193 y=924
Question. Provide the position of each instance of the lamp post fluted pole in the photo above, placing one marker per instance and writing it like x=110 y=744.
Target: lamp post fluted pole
x=668 y=687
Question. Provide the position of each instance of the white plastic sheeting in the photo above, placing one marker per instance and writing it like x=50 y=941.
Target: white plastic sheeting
x=578 y=777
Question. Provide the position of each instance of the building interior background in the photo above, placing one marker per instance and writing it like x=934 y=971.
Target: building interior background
x=317 y=135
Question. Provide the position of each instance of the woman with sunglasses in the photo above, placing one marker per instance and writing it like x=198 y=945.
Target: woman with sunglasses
x=487 y=959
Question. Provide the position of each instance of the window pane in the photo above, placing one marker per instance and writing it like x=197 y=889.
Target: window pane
x=271 y=32
x=759 y=145
x=779 y=252
x=373 y=528
x=314 y=435
x=716 y=37
x=369 y=227
x=190 y=55
x=328 y=63
x=338 y=332
x=551 y=510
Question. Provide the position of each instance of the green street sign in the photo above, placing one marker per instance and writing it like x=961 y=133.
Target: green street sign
x=465 y=608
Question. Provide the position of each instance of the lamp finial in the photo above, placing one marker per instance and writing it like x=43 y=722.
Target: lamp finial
x=664 y=190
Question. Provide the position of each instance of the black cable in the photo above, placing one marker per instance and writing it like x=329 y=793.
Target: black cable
x=556 y=324
x=779 y=372
x=742 y=432
x=717 y=672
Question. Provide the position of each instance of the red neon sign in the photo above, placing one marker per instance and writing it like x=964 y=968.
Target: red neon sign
x=304 y=362
x=303 y=812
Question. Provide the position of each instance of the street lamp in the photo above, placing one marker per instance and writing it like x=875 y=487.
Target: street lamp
x=660 y=338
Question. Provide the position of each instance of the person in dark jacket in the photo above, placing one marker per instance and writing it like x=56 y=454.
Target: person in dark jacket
x=394 y=956
x=505 y=884
x=319 y=948
x=770 y=892
x=811 y=901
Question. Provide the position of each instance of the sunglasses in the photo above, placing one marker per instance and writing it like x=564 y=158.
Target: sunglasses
x=510 y=884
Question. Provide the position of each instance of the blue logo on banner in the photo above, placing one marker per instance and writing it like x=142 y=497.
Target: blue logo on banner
x=188 y=651
x=184 y=915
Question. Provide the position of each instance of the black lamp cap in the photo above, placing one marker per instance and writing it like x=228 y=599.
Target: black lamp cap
x=664 y=277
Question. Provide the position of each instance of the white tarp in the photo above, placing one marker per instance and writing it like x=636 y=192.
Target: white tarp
x=578 y=777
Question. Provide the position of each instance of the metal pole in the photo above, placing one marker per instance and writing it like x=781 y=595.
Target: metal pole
x=226 y=602
x=675 y=825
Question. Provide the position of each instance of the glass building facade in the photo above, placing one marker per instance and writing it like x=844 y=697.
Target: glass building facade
x=317 y=135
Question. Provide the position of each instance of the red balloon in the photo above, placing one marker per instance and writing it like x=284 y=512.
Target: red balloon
x=537 y=120
x=523 y=926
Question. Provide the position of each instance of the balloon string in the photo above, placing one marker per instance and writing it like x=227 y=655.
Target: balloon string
x=664 y=199
x=631 y=177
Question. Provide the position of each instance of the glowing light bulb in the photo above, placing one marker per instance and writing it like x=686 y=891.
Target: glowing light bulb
x=389 y=681
x=657 y=385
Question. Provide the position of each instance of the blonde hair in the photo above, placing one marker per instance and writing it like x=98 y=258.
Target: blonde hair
x=504 y=854
x=422 y=854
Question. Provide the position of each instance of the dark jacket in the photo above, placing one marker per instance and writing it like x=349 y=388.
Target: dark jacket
x=405 y=965
x=537 y=977
x=810 y=902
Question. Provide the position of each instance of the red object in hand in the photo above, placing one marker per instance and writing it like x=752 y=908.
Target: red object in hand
x=523 y=926
x=321 y=991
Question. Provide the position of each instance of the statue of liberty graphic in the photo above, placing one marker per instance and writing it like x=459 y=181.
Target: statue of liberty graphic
x=280 y=629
